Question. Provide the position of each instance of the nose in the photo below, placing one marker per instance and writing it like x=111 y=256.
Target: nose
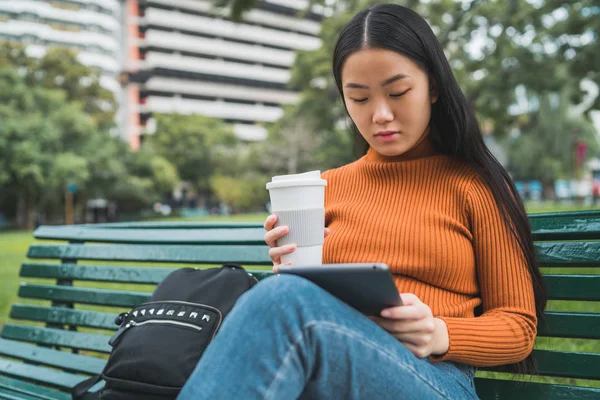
x=382 y=113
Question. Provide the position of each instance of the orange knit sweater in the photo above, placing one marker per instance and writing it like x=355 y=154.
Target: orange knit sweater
x=435 y=223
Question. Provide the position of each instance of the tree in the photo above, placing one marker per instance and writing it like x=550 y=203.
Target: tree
x=198 y=146
x=545 y=149
x=246 y=192
x=149 y=178
x=39 y=140
x=48 y=142
x=291 y=145
x=60 y=69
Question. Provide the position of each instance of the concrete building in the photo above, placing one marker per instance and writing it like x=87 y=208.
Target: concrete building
x=185 y=56
x=92 y=27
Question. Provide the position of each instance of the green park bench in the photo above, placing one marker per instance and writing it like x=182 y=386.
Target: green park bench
x=96 y=271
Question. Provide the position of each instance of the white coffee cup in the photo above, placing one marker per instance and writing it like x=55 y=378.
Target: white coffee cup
x=298 y=200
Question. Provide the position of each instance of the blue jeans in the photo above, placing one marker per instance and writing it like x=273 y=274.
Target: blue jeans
x=287 y=338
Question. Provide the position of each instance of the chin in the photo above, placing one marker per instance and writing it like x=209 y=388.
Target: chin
x=390 y=151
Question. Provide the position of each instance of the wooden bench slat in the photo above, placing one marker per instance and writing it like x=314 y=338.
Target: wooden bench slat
x=64 y=380
x=563 y=364
x=64 y=316
x=568 y=364
x=69 y=294
x=578 y=225
x=8 y=394
x=55 y=358
x=568 y=254
x=99 y=273
x=213 y=254
x=551 y=254
x=251 y=236
x=573 y=287
x=574 y=225
x=57 y=337
x=172 y=225
x=555 y=324
x=560 y=287
x=501 y=389
x=104 y=273
x=570 y=325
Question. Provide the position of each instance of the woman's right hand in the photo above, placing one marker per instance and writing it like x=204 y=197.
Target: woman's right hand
x=271 y=237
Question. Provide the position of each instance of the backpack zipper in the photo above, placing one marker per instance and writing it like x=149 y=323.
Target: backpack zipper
x=193 y=304
x=131 y=323
x=155 y=321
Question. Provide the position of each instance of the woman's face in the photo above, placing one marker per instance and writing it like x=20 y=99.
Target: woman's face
x=388 y=96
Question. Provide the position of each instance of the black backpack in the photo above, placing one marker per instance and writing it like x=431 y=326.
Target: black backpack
x=159 y=343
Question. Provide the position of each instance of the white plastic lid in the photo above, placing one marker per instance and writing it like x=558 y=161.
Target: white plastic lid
x=312 y=178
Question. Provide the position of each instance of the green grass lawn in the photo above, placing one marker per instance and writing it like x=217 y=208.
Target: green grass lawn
x=13 y=247
x=552 y=207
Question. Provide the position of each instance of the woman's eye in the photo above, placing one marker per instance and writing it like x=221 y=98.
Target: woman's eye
x=360 y=100
x=399 y=94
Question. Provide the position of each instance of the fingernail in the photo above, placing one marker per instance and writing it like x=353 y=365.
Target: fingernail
x=385 y=313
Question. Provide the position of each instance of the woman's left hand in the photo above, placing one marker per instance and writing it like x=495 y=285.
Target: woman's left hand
x=415 y=326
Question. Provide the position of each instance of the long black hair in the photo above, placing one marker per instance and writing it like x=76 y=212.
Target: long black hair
x=399 y=29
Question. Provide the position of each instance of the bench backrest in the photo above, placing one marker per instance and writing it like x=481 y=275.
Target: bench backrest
x=96 y=271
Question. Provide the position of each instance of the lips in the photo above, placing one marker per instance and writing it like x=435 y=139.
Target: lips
x=387 y=136
x=386 y=133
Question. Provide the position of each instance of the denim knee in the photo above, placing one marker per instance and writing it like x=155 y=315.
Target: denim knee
x=281 y=292
x=283 y=287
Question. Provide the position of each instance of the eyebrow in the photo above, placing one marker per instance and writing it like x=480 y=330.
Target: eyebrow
x=384 y=83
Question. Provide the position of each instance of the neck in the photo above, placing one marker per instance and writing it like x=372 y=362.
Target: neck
x=423 y=148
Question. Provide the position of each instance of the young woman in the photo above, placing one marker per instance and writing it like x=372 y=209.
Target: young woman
x=428 y=199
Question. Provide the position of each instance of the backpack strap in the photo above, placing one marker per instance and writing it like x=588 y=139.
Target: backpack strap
x=81 y=390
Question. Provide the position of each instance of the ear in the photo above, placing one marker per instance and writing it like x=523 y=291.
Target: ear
x=433 y=90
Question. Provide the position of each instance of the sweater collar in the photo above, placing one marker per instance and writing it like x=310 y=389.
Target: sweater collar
x=422 y=149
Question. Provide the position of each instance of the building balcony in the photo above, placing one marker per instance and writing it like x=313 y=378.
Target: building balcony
x=250 y=132
x=202 y=66
x=255 y=16
x=221 y=28
x=39 y=33
x=214 y=109
x=217 y=48
x=219 y=90
x=111 y=6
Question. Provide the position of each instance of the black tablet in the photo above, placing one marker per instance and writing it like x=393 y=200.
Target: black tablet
x=367 y=287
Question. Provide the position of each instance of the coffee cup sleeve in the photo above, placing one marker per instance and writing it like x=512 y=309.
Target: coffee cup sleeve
x=306 y=227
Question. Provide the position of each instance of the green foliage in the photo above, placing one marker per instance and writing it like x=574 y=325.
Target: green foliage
x=164 y=174
x=243 y=193
x=51 y=137
x=196 y=145
x=60 y=69
x=545 y=149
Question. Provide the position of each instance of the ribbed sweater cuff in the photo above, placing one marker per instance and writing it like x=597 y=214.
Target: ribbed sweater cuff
x=484 y=341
